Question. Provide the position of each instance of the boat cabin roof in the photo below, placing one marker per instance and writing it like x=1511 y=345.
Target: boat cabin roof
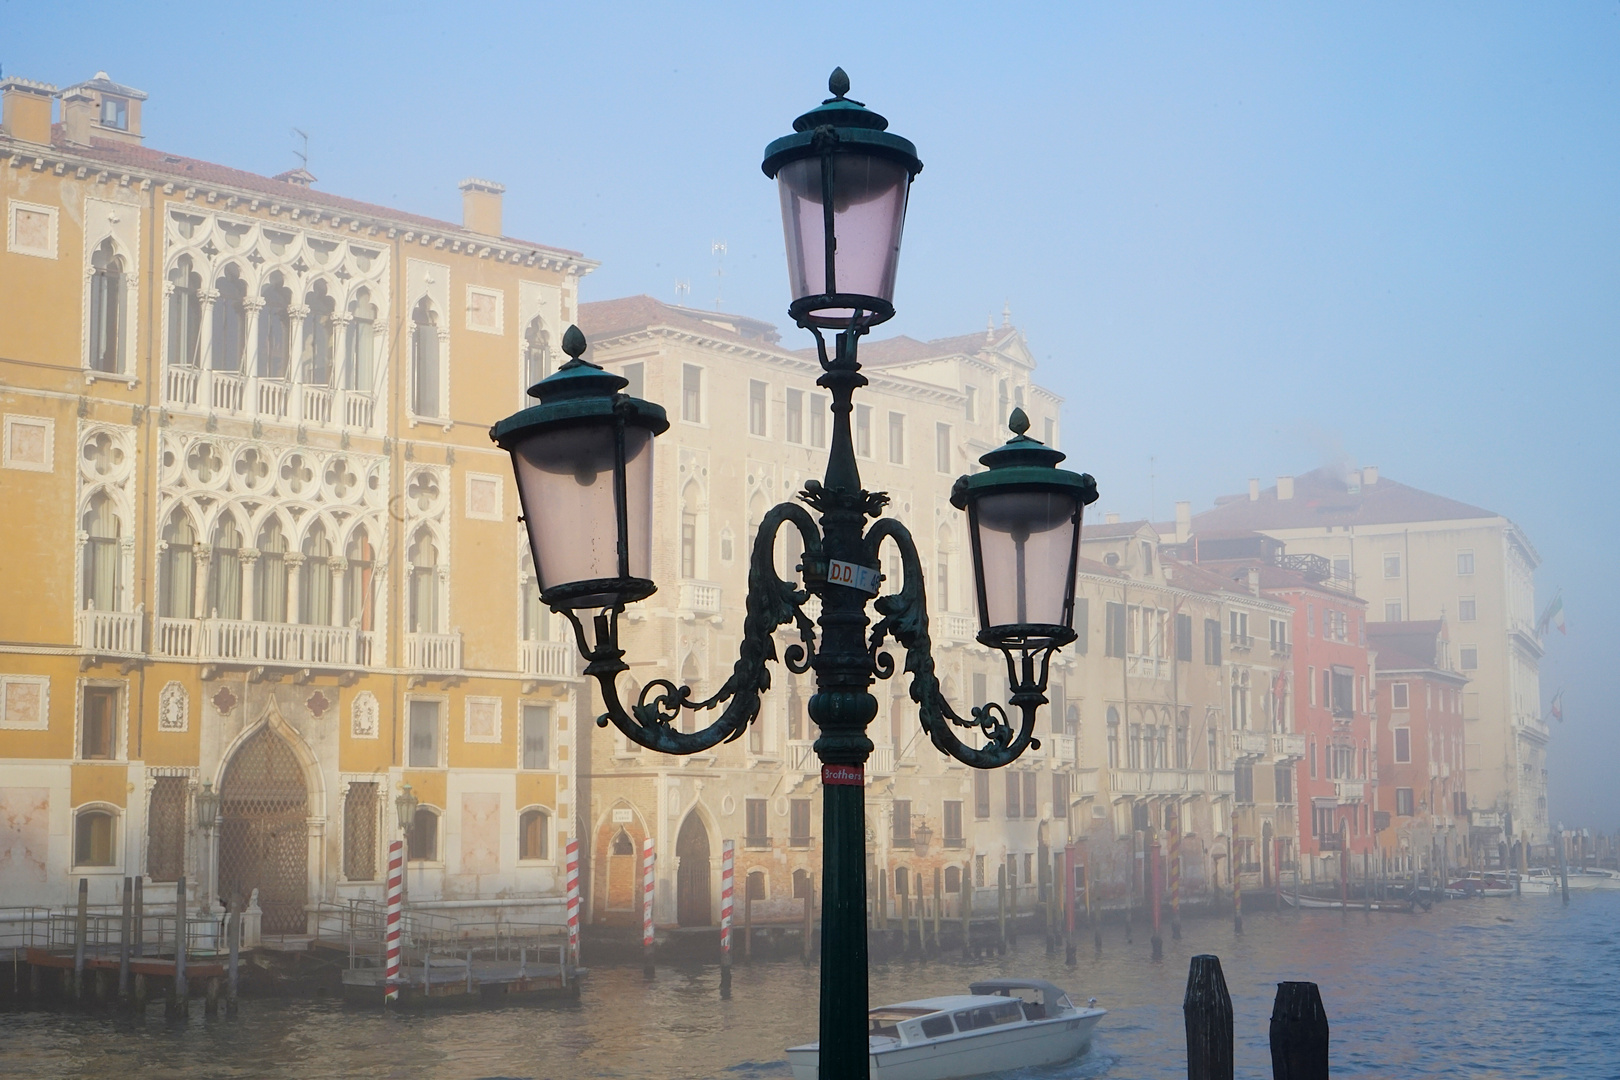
x=906 y=1010
x=1050 y=993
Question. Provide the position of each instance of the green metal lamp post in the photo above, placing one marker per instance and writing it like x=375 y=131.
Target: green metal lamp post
x=583 y=462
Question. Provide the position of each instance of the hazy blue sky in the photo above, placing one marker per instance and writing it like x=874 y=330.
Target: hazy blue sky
x=1244 y=240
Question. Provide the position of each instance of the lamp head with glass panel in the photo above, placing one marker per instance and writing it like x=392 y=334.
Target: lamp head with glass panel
x=583 y=460
x=843 y=179
x=1024 y=519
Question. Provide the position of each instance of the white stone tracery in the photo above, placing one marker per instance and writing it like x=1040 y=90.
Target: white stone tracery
x=348 y=274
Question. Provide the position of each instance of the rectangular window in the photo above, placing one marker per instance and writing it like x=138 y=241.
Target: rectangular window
x=536 y=736
x=981 y=795
x=98 y=738
x=954 y=837
x=424 y=751
x=360 y=832
x=1403 y=801
x=115 y=113
x=1243 y=783
x=1082 y=624
x=1466 y=610
x=794 y=429
x=756 y=833
x=942 y=447
x=1392 y=566
x=1313 y=759
x=1341 y=569
x=1060 y=795
x=818 y=420
x=1468 y=657
x=1051 y=432
x=1399 y=695
x=756 y=408
x=863 y=430
x=902 y=823
x=1114 y=631
x=636 y=376
x=688 y=545
x=1015 y=802
x=1465 y=563
x=1285 y=784
x=897 y=438
x=978 y=871
x=1212 y=641
x=799 y=823
x=1032 y=801
x=1403 y=745
x=1184 y=637
x=692 y=393
x=1392 y=611
x=970 y=408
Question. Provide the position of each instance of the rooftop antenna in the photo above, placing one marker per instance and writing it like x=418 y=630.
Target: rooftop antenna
x=302 y=155
x=718 y=250
x=683 y=289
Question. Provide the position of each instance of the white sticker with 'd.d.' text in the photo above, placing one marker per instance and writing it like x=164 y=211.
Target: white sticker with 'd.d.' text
x=864 y=578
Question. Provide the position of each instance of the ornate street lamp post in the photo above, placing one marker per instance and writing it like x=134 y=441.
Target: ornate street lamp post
x=583 y=461
x=405 y=804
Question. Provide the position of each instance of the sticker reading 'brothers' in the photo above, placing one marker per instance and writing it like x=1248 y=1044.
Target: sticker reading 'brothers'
x=851 y=775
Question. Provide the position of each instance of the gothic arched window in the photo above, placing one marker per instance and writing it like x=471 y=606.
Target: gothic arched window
x=536 y=352
x=275 y=329
x=533 y=827
x=425 y=359
x=536 y=618
x=270 y=574
x=319 y=347
x=225 y=571
x=185 y=315
x=315 y=579
x=106 y=309
x=101 y=556
x=358 y=603
x=424 y=573
x=359 y=344
x=177 y=588
x=230 y=321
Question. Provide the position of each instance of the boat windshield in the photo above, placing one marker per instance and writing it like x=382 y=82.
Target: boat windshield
x=989 y=1016
x=887 y=1021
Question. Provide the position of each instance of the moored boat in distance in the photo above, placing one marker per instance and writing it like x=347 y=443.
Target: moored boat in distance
x=998 y=1026
x=1404 y=904
x=1579 y=880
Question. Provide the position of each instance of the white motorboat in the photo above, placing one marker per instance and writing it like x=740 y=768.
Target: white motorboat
x=998 y=1026
x=1592 y=877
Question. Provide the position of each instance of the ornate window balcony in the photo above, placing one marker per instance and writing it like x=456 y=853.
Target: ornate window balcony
x=1249 y=744
x=1287 y=746
x=1155 y=782
x=549 y=659
x=437 y=653
x=262 y=643
x=881 y=763
x=801 y=757
x=279 y=401
x=112 y=633
x=1349 y=791
x=700 y=598
x=1063 y=748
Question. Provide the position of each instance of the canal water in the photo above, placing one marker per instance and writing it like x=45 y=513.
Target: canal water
x=1479 y=988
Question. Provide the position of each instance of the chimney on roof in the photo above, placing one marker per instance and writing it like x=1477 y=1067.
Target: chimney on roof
x=1285 y=488
x=1111 y=518
x=481 y=206
x=299 y=177
x=1254 y=580
x=1183 y=521
x=27 y=109
x=1254 y=489
x=1369 y=475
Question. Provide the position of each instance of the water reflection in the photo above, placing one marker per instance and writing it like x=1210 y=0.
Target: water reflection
x=1473 y=989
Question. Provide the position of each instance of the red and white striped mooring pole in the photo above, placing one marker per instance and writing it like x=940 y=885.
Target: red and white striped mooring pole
x=647 y=905
x=396 y=884
x=571 y=862
x=728 y=858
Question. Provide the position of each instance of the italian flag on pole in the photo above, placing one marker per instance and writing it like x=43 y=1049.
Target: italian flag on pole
x=1556 y=709
x=1553 y=616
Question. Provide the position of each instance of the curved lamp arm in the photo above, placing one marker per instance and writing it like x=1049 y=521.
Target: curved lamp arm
x=772 y=603
x=905 y=618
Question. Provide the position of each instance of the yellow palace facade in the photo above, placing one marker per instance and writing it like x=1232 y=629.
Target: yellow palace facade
x=244 y=443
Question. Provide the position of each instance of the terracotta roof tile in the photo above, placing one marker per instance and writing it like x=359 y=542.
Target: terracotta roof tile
x=1322 y=497
x=189 y=171
x=605 y=318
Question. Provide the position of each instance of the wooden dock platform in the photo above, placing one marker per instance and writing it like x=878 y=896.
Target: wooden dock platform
x=447 y=981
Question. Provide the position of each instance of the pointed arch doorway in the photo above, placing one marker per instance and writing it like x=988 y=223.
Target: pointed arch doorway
x=264 y=831
x=692 y=906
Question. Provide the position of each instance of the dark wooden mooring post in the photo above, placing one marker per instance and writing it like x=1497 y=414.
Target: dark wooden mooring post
x=807 y=946
x=1001 y=903
x=179 y=1002
x=939 y=901
x=967 y=910
x=235 y=917
x=81 y=926
x=1207 y=1009
x=125 y=927
x=1299 y=1033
